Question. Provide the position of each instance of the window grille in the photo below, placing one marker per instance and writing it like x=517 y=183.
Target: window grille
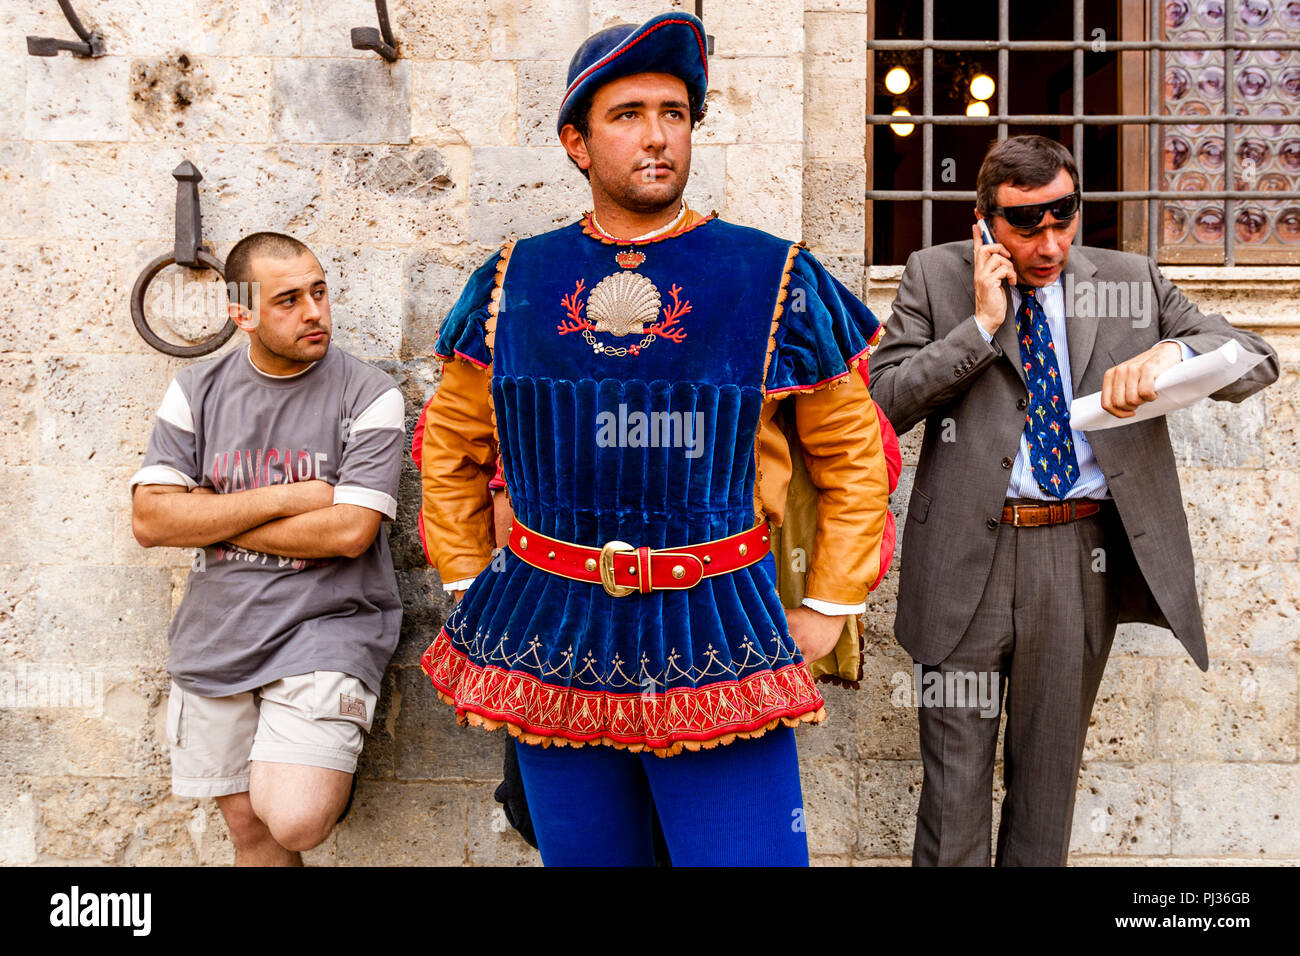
x=1243 y=32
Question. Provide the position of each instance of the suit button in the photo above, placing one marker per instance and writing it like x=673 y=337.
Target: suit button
x=1006 y=462
x=992 y=524
x=1022 y=404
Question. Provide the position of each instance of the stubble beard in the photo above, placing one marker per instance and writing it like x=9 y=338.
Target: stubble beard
x=630 y=195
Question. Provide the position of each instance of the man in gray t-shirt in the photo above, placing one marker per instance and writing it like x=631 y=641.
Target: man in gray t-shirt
x=280 y=462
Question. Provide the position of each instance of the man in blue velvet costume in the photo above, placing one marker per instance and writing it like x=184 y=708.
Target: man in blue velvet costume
x=627 y=370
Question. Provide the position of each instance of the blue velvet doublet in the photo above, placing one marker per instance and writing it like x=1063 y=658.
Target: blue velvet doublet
x=627 y=382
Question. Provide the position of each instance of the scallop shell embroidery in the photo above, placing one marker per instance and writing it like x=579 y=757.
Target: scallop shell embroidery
x=623 y=304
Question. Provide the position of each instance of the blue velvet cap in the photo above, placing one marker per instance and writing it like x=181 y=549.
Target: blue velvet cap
x=671 y=43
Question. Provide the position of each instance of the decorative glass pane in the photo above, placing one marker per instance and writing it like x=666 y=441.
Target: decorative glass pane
x=1266 y=158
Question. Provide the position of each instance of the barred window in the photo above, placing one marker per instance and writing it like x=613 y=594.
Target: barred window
x=1182 y=115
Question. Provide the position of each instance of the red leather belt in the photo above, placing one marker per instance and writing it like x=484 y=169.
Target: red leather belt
x=623 y=569
x=1056 y=512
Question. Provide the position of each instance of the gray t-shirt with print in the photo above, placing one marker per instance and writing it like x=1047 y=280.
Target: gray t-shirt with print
x=249 y=618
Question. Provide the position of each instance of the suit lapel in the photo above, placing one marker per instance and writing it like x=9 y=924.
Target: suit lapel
x=1005 y=336
x=1081 y=330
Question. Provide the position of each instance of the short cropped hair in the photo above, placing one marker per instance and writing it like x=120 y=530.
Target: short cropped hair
x=1025 y=162
x=275 y=245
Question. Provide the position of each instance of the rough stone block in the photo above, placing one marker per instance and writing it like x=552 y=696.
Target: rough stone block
x=121 y=190
x=833 y=214
x=607 y=13
x=138 y=27
x=13 y=77
x=17 y=826
x=365 y=290
x=19 y=585
x=433 y=280
x=407 y=194
x=19 y=402
x=835 y=6
x=1221 y=434
x=425 y=607
x=533 y=29
x=249 y=28
x=1238 y=710
x=541 y=89
x=341 y=101
x=829 y=787
x=98 y=409
x=327 y=27
x=763 y=187
x=706 y=189
x=833 y=125
x=80 y=719
x=1243 y=515
x=1122 y=726
x=1236 y=810
x=492 y=840
x=127 y=822
x=757 y=28
x=1280 y=437
x=887 y=725
x=835 y=44
x=468 y=103
x=1145 y=640
x=1123 y=811
x=888 y=794
x=27 y=199
x=433 y=29
x=87 y=613
x=835 y=737
x=430 y=745
x=522 y=191
x=1250 y=610
x=753 y=101
x=70 y=508
x=405 y=824
x=186 y=98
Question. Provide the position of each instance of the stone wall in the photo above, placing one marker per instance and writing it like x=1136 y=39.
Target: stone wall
x=403 y=178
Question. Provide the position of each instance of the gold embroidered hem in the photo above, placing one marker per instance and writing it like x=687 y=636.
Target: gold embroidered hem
x=689 y=718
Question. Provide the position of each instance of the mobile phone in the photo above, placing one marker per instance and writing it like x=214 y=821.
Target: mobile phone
x=985 y=231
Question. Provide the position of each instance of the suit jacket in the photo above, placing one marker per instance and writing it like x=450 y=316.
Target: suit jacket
x=934 y=365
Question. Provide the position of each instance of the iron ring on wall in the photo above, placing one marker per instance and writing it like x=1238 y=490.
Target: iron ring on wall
x=205 y=347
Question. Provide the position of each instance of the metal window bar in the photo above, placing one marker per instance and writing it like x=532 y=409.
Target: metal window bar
x=927 y=120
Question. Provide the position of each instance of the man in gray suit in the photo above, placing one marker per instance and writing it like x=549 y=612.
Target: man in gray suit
x=1027 y=542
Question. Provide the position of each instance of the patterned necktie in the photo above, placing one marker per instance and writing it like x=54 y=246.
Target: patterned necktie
x=1047 y=425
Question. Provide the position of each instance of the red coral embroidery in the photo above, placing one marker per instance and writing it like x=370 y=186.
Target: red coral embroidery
x=573 y=305
x=679 y=308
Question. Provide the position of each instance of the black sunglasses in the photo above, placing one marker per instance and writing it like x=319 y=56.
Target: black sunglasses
x=1031 y=214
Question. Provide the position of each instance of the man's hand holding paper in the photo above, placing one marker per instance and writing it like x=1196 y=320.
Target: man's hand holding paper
x=1156 y=382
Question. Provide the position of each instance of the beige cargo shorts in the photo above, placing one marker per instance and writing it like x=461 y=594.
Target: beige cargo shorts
x=317 y=720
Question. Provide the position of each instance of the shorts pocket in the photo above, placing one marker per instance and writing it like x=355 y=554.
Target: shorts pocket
x=345 y=698
x=175 y=708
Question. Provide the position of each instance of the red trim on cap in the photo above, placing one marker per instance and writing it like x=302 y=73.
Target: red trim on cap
x=620 y=50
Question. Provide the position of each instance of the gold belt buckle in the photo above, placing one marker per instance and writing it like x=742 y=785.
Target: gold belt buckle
x=607 y=568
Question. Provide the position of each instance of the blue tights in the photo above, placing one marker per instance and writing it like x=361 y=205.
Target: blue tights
x=734 y=805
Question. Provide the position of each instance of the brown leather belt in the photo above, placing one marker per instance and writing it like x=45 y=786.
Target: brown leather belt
x=1055 y=512
x=622 y=569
